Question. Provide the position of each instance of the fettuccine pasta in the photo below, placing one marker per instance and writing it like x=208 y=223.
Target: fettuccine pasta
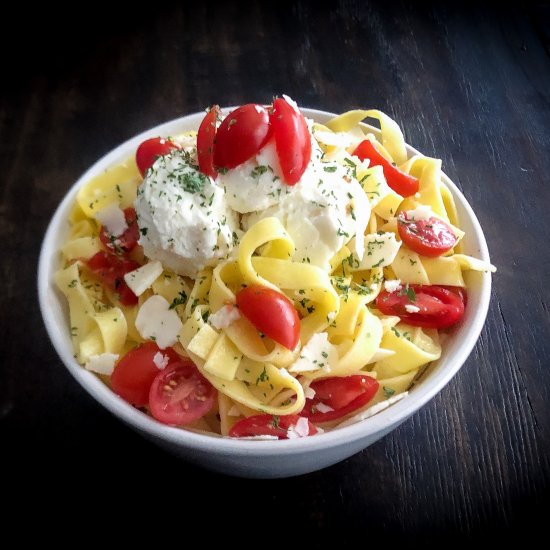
x=174 y=290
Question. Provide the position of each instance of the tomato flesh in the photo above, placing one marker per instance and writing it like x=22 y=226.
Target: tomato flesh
x=128 y=240
x=135 y=372
x=342 y=394
x=150 y=150
x=267 y=424
x=111 y=269
x=292 y=140
x=180 y=394
x=272 y=313
x=432 y=237
x=401 y=183
x=438 y=307
x=241 y=135
x=205 y=142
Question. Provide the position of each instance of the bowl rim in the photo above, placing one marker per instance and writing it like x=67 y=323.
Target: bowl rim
x=379 y=423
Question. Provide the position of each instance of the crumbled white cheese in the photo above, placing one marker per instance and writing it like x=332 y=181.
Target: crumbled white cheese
x=102 y=364
x=420 y=213
x=309 y=393
x=317 y=354
x=143 y=277
x=301 y=429
x=412 y=309
x=224 y=316
x=392 y=285
x=112 y=218
x=161 y=361
x=156 y=321
x=322 y=408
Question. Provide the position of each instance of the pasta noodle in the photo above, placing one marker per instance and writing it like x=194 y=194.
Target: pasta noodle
x=342 y=331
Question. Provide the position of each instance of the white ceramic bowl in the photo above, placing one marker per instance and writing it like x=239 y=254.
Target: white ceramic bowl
x=260 y=459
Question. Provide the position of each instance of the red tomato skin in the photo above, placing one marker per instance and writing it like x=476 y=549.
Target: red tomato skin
x=344 y=394
x=111 y=269
x=267 y=424
x=292 y=140
x=149 y=150
x=181 y=377
x=206 y=137
x=135 y=372
x=272 y=313
x=443 y=308
x=431 y=238
x=241 y=135
x=401 y=183
x=128 y=240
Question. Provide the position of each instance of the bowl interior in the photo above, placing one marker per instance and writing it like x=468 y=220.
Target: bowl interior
x=455 y=350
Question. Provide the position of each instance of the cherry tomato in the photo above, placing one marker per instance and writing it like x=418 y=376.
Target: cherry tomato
x=267 y=424
x=180 y=394
x=401 y=183
x=272 y=313
x=111 y=269
x=241 y=135
x=135 y=372
x=150 y=150
x=438 y=306
x=432 y=237
x=205 y=142
x=343 y=395
x=128 y=240
x=292 y=140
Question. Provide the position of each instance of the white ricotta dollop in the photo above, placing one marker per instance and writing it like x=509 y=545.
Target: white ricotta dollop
x=256 y=184
x=183 y=217
x=322 y=212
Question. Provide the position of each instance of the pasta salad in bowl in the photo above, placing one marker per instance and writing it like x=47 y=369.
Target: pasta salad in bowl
x=244 y=276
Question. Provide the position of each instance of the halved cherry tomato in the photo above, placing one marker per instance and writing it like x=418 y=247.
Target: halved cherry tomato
x=401 y=183
x=180 y=394
x=241 y=135
x=111 y=269
x=128 y=240
x=292 y=140
x=205 y=142
x=342 y=394
x=272 y=313
x=432 y=237
x=438 y=306
x=267 y=424
x=135 y=372
x=150 y=150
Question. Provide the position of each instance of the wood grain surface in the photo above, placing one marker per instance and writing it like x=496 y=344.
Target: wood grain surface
x=470 y=85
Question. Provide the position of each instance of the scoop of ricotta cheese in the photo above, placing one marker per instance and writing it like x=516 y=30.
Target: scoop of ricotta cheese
x=184 y=219
x=322 y=212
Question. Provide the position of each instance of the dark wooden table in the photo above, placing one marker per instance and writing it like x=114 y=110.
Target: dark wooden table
x=469 y=85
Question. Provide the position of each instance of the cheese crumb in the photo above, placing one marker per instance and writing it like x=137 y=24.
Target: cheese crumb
x=156 y=321
x=161 y=361
x=393 y=285
x=224 y=317
x=420 y=213
x=412 y=309
x=113 y=219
